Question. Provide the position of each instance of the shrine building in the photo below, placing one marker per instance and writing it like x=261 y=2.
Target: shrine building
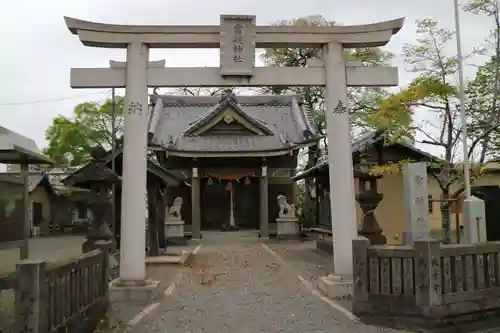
x=237 y=152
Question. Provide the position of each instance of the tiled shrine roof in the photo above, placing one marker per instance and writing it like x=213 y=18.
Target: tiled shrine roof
x=280 y=124
x=361 y=144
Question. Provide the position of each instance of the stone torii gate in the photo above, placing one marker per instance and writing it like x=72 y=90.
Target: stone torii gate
x=237 y=36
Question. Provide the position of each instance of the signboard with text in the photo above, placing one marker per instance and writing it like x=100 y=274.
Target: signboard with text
x=416 y=201
x=237 y=49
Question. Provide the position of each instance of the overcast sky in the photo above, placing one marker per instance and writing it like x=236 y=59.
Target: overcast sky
x=37 y=50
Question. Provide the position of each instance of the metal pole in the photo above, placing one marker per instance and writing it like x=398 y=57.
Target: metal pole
x=462 y=100
x=113 y=149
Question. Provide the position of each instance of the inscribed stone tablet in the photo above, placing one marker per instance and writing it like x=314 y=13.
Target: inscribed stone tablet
x=237 y=46
x=416 y=203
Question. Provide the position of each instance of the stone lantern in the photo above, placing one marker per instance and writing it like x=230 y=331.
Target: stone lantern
x=97 y=177
x=368 y=199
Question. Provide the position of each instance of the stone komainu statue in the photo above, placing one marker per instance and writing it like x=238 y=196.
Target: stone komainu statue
x=286 y=210
x=174 y=212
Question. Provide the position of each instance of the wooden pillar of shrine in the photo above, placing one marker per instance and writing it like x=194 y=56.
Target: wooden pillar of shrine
x=264 y=203
x=195 y=204
x=118 y=211
x=161 y=200
x=153 y=245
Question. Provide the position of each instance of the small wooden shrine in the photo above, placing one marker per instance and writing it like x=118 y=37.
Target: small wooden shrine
x=380 y=199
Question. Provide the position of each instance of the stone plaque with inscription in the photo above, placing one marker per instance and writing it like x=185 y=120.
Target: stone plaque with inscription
x=416 y=202
x=237 y=46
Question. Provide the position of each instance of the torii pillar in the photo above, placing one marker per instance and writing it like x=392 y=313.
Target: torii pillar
x=342 y=193
x=237 y=37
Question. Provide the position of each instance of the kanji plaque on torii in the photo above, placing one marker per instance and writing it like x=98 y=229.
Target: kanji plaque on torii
x=237 y=45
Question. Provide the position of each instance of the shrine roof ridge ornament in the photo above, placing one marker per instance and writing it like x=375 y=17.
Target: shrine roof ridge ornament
x=209 y=36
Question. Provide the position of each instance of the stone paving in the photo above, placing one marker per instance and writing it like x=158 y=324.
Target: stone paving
x=240 y=287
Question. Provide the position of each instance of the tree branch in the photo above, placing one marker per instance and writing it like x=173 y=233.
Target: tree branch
x=440 y=144
x=482 y=136
x=435 y=107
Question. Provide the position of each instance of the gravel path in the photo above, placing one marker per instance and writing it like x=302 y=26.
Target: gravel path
x=307 y=262
x=242 y=288
x=305 y=259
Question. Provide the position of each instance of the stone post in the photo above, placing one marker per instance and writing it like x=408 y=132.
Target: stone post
x=474 y=221
x=427 y=254
x=360 y=269
x=133 y=214
x=264 y=202
x=416 y=202
x=105 y=247
x=31 y=297
x=195 y=204
x=342 y=192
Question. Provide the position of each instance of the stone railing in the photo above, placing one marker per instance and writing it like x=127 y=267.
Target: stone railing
x=70 y=296
x=427 y=284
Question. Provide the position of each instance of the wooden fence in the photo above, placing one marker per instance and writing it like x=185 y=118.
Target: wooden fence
x=70 y=296
x=427 y=283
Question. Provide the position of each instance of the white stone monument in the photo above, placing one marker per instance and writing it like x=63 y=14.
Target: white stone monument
x=416 y=202
x=474 y=221
x=174 y=224
x=236 y=37
x=287 y=223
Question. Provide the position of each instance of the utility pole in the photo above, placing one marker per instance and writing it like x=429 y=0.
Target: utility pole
x=463 y=118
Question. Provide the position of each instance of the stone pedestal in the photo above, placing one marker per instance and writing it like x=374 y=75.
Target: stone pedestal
x=474 y=221
x=287 y=227
x=336 y=287
x=125 y=294
x=174 y=232
x=96 y=236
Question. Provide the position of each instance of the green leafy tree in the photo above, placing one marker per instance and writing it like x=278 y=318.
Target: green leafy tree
x=483 y=93
x=435 y=95
x=363 y=102
x=70 y=140
x=483 y=112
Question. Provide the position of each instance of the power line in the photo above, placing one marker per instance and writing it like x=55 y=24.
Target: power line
x=53 y=99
